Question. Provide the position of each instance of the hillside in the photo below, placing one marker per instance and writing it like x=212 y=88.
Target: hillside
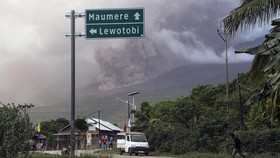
x=169 y=86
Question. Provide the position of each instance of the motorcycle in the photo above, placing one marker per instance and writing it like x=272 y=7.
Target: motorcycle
x=66 y=151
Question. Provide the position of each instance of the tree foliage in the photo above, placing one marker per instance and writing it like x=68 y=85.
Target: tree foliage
x=15 y=131
x=202 y=120
x=81 y=124
x=48 y=128
x=251 y=13
x=266 y=63
x=53 y=126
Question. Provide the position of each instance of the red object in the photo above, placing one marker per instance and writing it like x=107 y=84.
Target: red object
x=124 y=128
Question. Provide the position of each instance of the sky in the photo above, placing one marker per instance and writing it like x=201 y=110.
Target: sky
x=35 y=54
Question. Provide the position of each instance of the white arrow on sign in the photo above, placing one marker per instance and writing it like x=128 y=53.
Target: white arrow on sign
x=137 y=16
x=93 y=31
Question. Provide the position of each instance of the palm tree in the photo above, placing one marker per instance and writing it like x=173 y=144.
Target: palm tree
x=250 y=13
x=267 y=55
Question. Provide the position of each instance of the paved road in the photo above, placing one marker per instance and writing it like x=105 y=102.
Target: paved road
x=139 y=156
x=78 y=152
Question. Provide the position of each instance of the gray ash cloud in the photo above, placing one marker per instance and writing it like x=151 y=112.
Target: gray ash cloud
x=177 y=33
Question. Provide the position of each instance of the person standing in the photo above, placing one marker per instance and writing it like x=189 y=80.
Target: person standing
x=111 y=143
x=105 y=142
x=100 y=143
x=237 y=146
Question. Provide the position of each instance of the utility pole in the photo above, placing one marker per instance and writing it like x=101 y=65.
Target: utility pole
x=128 y=116
x=225 y=39
x=99 y=125
x=240 y=103
x=128 y=110
x=72 y=15
x=133 y=104
x=25 y=106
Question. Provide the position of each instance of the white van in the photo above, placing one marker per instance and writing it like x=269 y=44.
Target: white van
x=132 y=142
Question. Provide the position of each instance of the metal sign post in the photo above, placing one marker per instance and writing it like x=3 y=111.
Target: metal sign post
x=72 y=35
x=101 y=23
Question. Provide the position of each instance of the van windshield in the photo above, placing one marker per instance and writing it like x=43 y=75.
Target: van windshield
x=138 y=138
x=120 y=137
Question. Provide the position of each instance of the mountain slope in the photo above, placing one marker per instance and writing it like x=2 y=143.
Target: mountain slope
x=168 y=86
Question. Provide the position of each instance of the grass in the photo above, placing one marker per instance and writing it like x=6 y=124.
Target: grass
x=95 y=156
x=110 y=153
x=44 y=155
x=188 y=155
x=204 y=155
x=226 y=155
x=196 y=154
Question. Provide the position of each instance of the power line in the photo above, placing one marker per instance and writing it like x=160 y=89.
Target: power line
x=25 y=106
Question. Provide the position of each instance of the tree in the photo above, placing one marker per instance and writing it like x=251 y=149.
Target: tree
x=267 y=61
x=142 y=117
x=48 y=128
x=15 y=131
x=81 y=124
x=184 y=124
x=250 y=13
x=53 y=126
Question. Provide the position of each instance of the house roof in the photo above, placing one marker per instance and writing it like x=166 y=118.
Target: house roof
x=41 y=136
x=104 y=125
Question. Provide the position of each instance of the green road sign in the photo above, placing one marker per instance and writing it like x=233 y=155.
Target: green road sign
x=114 y=23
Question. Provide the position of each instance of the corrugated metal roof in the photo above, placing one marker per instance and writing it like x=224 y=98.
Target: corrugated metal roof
x=103 y=128
x=104 y=125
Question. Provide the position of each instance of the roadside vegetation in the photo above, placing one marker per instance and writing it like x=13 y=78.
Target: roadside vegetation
x=43 y=155
x=15 y=131
x=203 y=120
x=213 y=155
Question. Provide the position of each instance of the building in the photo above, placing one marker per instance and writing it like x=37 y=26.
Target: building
x=90 y=139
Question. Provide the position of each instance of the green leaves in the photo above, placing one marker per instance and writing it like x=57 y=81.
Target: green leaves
x=249 y=14
x=178 y=126
x=48 y=128
x=267 y=59
x=202 y=120
x=15 y=131
x=81 y=124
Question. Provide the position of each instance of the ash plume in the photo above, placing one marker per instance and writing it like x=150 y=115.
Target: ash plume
x=132 y=63
x=184 y=34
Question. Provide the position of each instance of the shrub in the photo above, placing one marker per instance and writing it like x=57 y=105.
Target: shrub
x=15 y=131
x=262 y=141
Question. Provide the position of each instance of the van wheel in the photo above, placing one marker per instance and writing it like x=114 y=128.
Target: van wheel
x=147 y=154
x=136 y=154
x=129 y=151
x=121 y=152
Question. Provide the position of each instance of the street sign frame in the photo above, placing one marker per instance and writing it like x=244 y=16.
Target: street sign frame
x=126 y=23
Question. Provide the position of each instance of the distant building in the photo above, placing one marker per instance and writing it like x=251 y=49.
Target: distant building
x=89 y=140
